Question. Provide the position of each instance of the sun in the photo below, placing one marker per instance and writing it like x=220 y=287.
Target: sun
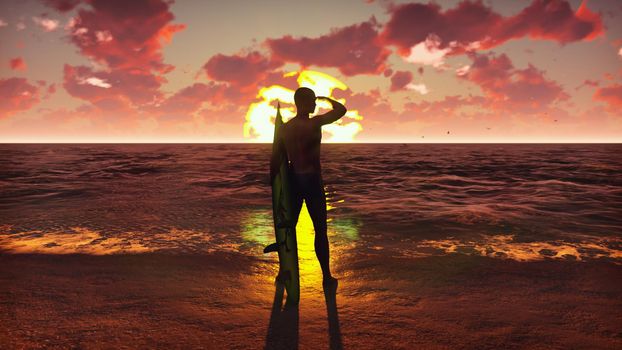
x=259 y=124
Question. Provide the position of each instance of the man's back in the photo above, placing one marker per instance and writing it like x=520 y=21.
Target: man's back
x=303 y=135
x=302 y=138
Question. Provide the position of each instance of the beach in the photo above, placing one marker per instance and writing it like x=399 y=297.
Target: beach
x=434 y=246
x=226 y=301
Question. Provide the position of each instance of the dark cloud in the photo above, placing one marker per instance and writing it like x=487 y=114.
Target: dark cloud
x=472 y=25
x=353 y=50
x=240 y=70
x=62 y=5
x=400 y=79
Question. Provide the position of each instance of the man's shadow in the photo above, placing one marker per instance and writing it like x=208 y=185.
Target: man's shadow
x=283 y=327
x=334 y=331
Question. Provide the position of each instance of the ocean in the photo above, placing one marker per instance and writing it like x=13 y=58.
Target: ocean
x=507 y=201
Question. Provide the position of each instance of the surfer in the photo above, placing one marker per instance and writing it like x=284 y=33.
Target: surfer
x=302 y=137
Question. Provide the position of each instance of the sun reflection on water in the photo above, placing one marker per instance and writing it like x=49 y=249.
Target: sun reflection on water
x=258 y=229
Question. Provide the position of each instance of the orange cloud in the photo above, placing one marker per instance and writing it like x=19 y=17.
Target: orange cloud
x=18 y=64
x=17 y=95
x=509 y=88
x=612 y=95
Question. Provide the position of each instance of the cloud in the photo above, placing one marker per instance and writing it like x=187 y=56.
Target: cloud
x=588 y=82
x=553 y=20
x=3 y=23
x=103 y=36
x=620 y=52
x=17 y=95
x=435 y=109
x=113 y=89
x=62 y=5
x=125 y=34
x=187 y=101
x=18 y=64
x=20 y=26
x=420 y=88
x=371 y=104
x=509 y=88
x=472 y=26
x=353 y=50
x=612 y=95
x=400 y=79
x=463 y=70
x=241 y=69
x=428 y=52
x=46 y=24
x=96 y=82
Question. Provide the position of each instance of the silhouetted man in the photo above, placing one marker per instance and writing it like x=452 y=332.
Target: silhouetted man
x=302 y=137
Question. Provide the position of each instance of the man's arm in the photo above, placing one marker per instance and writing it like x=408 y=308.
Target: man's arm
x=338 y=111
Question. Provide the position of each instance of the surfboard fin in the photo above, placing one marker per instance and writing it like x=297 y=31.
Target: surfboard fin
x=274 y=247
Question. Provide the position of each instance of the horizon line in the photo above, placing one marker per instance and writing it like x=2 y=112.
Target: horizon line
x=325 y=143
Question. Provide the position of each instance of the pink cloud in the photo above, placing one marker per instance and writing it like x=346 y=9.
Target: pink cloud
x=400 y=79
x=463 y=70
x=588 y=82
x=371 y=104
x=112 y=90
x=507 y=87
x=436 y=109
x=190 y=99
x=17 y=95
x=612 y=95
x=420 y=88
x=18 y=64
x=472 y=25
x=46 y=24
x=353 y=50
x=428 y=52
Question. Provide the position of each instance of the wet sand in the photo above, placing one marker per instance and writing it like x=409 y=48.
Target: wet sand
x=229 y=301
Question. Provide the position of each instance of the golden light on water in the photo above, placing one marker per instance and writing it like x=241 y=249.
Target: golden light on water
x=259 y=124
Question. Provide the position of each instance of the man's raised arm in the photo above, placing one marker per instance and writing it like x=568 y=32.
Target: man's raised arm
x=338 y=111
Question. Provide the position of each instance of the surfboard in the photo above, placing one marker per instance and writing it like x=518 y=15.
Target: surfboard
x=283 y=216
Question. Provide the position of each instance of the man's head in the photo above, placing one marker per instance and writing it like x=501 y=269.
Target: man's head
x=305 y=100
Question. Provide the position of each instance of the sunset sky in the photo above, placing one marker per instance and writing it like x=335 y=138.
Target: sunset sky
x=416 y=71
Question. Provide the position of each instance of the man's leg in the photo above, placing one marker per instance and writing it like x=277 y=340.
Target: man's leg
x=316 y=204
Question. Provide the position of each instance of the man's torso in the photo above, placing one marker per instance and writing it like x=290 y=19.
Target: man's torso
x=302 y=139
